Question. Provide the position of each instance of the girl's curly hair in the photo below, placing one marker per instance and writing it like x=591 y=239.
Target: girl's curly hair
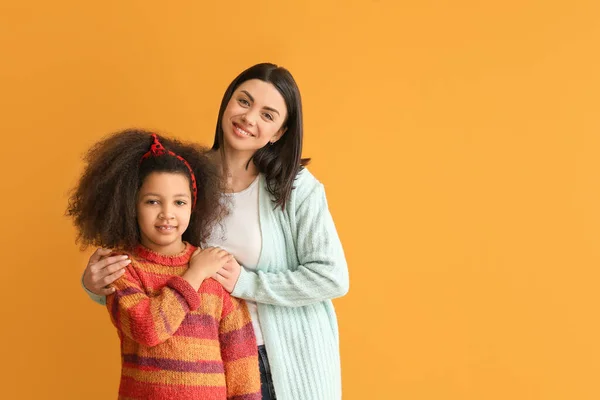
x=103 y=204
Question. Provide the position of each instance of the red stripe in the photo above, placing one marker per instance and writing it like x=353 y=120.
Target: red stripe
x=239 y=350
x=228 y=306
x=210 y=286
x=142 y=326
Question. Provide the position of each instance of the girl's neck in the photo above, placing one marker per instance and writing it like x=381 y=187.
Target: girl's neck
x=179 y=259
x=240 y=172
x=171 y=249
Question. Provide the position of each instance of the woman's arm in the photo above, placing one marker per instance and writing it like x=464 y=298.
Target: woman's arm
x=322 y=273
x=101 y=271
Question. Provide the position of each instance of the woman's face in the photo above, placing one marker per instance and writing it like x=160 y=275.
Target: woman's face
x=255 y=116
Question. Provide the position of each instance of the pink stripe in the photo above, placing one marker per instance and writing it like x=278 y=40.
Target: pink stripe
x=251 y=396
x=199 y=326
x=208 y=367
x=144 y=390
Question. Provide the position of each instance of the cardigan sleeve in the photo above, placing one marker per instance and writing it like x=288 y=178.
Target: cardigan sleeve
x=100 y=299
x=323 y=271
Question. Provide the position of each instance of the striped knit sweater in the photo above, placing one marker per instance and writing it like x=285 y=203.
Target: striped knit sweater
x=301 y=268
x=177 y=343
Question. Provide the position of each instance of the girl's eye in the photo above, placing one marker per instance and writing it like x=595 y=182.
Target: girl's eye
x=152 y=202
x=180 y=203
x=268 y=116
x=244 y=102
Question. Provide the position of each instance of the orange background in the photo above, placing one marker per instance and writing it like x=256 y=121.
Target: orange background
x=458 y=142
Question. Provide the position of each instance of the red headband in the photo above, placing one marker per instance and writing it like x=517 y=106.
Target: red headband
x=157 y=149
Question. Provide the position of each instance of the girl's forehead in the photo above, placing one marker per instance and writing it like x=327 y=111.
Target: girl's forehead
x=165 y=182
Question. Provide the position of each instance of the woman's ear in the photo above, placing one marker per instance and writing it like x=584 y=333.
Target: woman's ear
x=278 y=135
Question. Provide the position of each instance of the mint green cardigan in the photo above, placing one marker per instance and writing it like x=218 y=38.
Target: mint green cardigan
x=300 y=269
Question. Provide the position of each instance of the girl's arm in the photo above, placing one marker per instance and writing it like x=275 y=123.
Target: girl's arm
x=150 y=320
x=238 y=350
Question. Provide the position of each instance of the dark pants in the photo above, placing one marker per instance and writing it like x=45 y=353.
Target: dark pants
x=266 y=381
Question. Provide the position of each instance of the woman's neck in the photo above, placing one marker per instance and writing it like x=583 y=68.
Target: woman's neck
x=240 y=172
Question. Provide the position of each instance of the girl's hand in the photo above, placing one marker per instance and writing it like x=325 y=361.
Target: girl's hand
x=204 y=263
x=103 y=270
x=229 y=275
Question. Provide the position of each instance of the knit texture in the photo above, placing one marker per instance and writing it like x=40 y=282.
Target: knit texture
x=177 y=343
x=301 y=268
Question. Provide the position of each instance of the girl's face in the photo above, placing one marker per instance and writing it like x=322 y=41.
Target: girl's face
x=255 y=116
x=164 y=207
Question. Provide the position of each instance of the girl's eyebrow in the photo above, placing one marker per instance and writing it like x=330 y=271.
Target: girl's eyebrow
x=158 y=195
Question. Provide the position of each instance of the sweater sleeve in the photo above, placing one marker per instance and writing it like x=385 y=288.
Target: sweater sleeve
x=322 y=273
x=150 y=320
x=238 y=350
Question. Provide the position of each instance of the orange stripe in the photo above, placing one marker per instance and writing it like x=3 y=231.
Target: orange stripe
x=179 y=348
x=175 y=377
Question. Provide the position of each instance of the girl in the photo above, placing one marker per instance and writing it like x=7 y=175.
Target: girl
x=182 y=335
x=279 y=227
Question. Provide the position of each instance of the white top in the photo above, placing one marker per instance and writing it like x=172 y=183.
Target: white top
x=239 y=234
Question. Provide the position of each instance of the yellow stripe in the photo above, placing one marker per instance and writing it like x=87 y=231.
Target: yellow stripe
x=239 y=317
x=161 y=271
x=243 y=376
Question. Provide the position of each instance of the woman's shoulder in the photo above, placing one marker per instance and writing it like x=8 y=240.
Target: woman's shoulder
x=304 y=185
x=305 y=177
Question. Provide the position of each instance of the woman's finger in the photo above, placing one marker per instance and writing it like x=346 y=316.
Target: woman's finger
x=108 y=261
x=224 y=273
x=107 y=280
x=112 y=268
x=107 y=291
x=98 y=254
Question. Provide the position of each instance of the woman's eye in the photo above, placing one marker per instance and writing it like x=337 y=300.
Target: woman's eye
x=244 y=102
x=268 y=116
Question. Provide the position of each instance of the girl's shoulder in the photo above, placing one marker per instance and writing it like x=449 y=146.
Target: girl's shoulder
x=216 y=301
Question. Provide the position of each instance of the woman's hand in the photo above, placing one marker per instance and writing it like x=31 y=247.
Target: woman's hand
x=103 y=270
x=204 y=263
x=229 y=275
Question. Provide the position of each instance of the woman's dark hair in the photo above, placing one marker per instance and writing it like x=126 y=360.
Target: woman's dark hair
x=281 y=161
x=103 y=204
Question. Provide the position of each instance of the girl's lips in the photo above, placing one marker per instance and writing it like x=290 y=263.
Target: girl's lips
x=165 y=228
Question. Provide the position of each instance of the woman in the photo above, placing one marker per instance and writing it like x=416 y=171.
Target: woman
x=280 y=229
